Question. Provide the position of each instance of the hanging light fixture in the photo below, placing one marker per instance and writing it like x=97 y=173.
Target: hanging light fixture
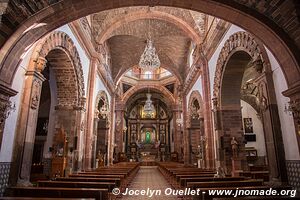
x=149 y=59
x=149 y=108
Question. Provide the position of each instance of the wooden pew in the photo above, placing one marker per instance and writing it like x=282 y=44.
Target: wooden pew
x=116 y=181
x=92 y=184
x=40 y=198
x=183 y=181
x=216 y=184
x=70 y=184
x=50 y=192
x=119 y=179
x=174 y=171
x=256 y=174
x=204 y=192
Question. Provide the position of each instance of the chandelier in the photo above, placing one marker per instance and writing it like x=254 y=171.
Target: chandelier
x=149 y=109
x=149 y=59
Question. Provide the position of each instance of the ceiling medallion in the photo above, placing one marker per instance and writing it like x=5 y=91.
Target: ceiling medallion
x=149 y=59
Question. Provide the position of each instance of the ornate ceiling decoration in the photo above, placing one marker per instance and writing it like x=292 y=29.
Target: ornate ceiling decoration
x=126 y=39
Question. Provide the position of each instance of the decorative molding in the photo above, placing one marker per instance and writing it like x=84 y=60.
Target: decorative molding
x=102 y=95
x=60 y=40
x=240 y=41
x=293 y=90
x=35 y=94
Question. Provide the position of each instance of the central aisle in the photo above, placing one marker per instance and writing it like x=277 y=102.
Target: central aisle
x=149 y=177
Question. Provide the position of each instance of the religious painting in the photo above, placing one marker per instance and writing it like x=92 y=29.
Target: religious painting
x=248 y=125
x=148 y=137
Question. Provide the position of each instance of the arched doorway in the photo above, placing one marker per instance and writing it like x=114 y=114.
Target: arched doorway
x=195 y=125
x=243 y=74
x=101 y=130
x=56 y=57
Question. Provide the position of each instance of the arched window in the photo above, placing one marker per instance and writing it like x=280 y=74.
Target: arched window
x=148 y=75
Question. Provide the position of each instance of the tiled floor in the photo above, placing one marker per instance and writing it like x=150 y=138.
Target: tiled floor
x=149 y=177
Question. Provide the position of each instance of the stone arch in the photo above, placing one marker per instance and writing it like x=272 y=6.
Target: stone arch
x=71 y=76
x=238 y=52
x=101 y=130
x=140 y=87
x=53 y=16
x=195 y=96
x=240 y=41
x=147 y=15
x=102 y=95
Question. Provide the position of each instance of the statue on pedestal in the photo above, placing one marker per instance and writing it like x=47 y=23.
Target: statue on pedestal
x=234 y=147
x=220 y=173
x=100 y=159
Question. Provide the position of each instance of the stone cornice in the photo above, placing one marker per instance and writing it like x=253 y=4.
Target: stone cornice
x=294 y=90
x=4 y=90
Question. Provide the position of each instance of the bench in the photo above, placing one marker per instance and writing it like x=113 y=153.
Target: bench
x=216 y=184
x=116 y=181
x=39 y=198
x=50 y=192
x=256 y=174
x=206 y=196
x=183 y=181
x=70 y=184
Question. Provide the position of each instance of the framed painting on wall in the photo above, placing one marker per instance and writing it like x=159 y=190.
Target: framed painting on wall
x=248 y=125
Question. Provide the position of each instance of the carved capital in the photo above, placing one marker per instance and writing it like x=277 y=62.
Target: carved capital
x=40 y=64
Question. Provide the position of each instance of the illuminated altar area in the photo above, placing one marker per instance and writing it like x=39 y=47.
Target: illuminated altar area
x=148 y=129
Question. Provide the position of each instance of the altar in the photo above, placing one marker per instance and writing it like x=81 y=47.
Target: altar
x=147 y=157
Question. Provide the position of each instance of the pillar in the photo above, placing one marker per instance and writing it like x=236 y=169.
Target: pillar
x=26 y=127
x=272 y=128
x=90 y=115
x=119 y=124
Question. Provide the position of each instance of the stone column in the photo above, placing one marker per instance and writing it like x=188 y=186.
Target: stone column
x=79 y=139
x=218 y=134
x=26 y=126
x=186 y=133
x=90 y=114
x=177 y=132
x=94 y=142
x=294 y=107
x=111 y=133
x=27 y=123
x=208 y=126
x=119 y=124
x=272 y=128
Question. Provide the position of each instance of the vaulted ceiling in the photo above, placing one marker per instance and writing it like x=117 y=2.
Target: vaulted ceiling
x=126 y=30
